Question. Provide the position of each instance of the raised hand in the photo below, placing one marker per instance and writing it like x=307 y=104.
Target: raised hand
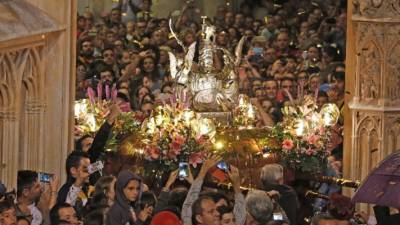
x=171 y=179
x=208 y=164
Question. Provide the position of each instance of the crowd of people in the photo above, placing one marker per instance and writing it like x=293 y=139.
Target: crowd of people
x=292 y=48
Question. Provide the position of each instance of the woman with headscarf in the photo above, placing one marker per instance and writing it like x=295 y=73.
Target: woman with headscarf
x=124 y=210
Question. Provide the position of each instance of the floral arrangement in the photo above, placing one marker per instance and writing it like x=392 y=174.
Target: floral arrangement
x=174 y=134
x=92 y=112
x=300 y=140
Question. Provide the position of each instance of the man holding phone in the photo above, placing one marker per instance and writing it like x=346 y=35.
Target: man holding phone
x=30 y=200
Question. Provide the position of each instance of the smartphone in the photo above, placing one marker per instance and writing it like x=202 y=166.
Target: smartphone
x=258 y=50
x=222 y=165
x=44 y=177
x=94 y=167
x=183 y=170
x=277 y=216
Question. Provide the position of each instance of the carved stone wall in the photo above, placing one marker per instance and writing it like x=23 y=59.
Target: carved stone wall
x=36 y=85
x=374 y=52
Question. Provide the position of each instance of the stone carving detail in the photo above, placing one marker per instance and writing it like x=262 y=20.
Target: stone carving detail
x=21 y=82
x=377 y=8
x=370 y=71
x=367 y=143
x=393 y=73
x=392 y=131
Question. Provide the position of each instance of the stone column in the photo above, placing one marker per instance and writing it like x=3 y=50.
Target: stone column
x=375 y=105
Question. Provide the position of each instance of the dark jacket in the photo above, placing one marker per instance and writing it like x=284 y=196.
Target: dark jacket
x=383 y=217
x=120 y=211
x=288 y=200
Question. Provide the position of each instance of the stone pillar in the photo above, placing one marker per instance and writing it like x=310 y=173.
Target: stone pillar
x=375 y=105
x=37 y=85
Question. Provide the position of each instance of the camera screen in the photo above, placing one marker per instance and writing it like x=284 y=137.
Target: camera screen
x=44 y=177
x=183 y=170
x=277 y=216
x=223 y=166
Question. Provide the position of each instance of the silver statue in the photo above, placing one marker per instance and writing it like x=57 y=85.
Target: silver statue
x=210 y=90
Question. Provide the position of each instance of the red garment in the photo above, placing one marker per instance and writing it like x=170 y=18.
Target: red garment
x=165 y=218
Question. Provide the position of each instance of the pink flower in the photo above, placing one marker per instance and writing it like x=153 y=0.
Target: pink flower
x=179 y=139
x=321 y=130
x=287 y=144
x=173 y=153
x=313 y=139
x=195 y=159
x=310 y=152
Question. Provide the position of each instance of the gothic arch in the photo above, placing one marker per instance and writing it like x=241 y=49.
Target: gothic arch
x=7 y=80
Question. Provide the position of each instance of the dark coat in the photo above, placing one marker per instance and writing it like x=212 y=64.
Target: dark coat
x=288 y=200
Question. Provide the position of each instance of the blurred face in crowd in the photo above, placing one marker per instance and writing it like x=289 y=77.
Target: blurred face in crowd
x=8 y=217
x=239 y=20
x=147 y=82
x=163 y=57
x=304 y=27
x=147 y=108
x=110 y=37
x=291 y=65
x=119 y=46
x=82 y=171
x=106 y=77
x=313 y=53
x=108 y=57
x=338 y=84
x=267 y=105
x=130 y=27
x=278 y=67
x=81 y=23
x=278 y=20
x=318 y=13
x=167 y=90
x=80 y=73
x=209 y=214
x=288 y=86
x=126 y=57
x=86 y=143
x=189 y=38
x=223 y=38
x=269 y=55
x=131 y=190
x=228 y=219
x=232 y=33
x=249 y=34
x=258 y=93
x=68 y=214
x=142 y=92
x=271 y=88
x=87 y=49
x=321 y=100
x=141 y=27
x=315 y=82
x=302 y=77
x=115 y=16
x=341 y=21
x=282 y=41
x=256 y=25
x=148 y=65
x=271 y=24
x=156 y=37
x=229 y=19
